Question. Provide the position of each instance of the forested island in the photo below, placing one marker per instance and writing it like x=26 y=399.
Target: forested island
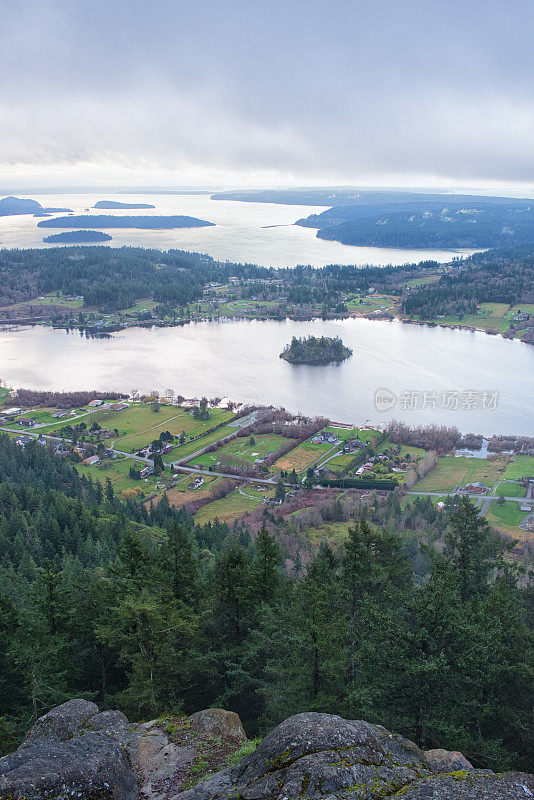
x=11 y=206
x=109 y=221
x=315 y=350
x=115 y=204
x=77 y=237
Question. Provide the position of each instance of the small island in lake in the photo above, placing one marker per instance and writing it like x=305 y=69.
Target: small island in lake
x=77 y=237
x=116 y=204
x=315 y=350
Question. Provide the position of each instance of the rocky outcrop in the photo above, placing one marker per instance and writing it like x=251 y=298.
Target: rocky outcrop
x=446 y=761
x=324 y=756
x=76 y=753
x=218 y=722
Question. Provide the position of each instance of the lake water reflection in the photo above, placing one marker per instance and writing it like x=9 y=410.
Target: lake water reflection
x=240 y=359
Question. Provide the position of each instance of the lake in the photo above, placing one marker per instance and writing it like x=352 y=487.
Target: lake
x=257 y=233
x=240 y=359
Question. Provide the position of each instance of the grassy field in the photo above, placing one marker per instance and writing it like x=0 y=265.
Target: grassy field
x=341 y=461
x=413 y=452
x=363 y=305
x=227 y=509
x=302 y=456
x=240 y=448
x=118 y=475
x=519 y=467
x=451 y=472
x=49 y=300
x=181 y=495
x=191 y=447
x=139 y=425
x=507 y=515
x=510 y=490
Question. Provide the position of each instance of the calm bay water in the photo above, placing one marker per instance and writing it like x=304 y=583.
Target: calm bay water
x=240 y=359
x=258 y=233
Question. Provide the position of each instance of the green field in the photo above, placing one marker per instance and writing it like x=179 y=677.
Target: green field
x=139 y=425
x=240 y=448
x=510 y=490
x=451 y=472
x=341 y=461
x=49 y=300
x=363 y=305
x=118 y=474
x=227 y=509
x=519 y=467
x=301 y=457
x=507 y=515
x=191 y=447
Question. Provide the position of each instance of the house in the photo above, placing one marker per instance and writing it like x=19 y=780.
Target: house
x=95 y=403
x=146 y=471
x=91 y=460
x=22 y=441
x=476 y=488
x=26 y=421
x=119 y=406
x=60 y=414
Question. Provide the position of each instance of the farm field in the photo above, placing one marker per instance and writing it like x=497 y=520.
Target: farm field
x=240 y=448
x=341 y=461
x=118 y=475
x=505 y=517
x=405 y=450
x=451 y=472
x=301 y=457
x=227 y=509
x=363 y=305
x=180 y=495
x=519 y=467
x=139 y=425
x=510 y=489
x=181 y=452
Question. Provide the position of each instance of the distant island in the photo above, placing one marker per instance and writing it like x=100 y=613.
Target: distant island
x=114 y=204
x=9 y=206
x=77 y=237
x=315 y=350
x=109 y=221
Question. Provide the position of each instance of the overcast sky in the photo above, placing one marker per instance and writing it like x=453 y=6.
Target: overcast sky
x=242 y=92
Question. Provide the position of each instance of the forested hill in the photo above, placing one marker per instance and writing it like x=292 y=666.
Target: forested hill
x=502 y=276
x=110 y=278
x=427 y=221
x=137 y=609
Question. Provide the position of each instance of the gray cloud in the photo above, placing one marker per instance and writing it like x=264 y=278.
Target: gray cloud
x=338 y=91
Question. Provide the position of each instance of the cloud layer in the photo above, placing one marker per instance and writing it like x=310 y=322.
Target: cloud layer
x=344 y=91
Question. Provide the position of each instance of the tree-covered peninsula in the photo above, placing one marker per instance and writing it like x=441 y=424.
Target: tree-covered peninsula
x=315 y=350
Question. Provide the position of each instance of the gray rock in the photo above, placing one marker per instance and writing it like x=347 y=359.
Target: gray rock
x=61 y=722
x=324 y=757
x=218 y=722
x=108 y=721
x=471 y=785
x=159 y=764
x=217 y=785
x=446 y=761
x=88 y=766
